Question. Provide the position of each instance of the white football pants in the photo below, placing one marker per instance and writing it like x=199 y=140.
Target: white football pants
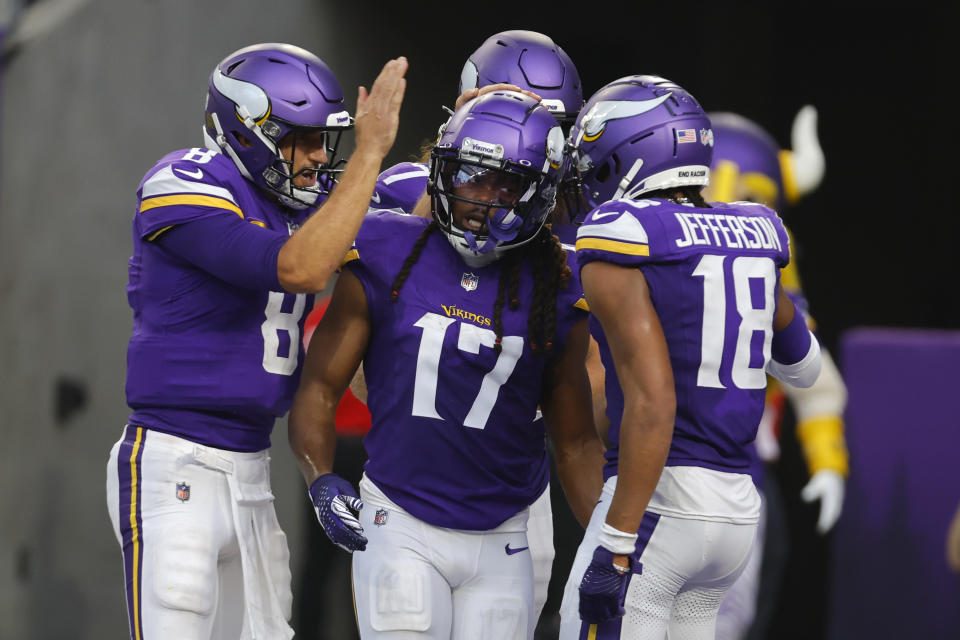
x=418 y=581
x=540 y=538
x=204 y=556
x=688 y=565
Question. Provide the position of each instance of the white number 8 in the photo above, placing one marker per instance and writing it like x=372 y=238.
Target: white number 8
x=277 y=321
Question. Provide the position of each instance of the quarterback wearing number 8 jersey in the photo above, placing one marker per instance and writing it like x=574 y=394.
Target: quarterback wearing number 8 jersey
x=689 y=314
x=227 y=252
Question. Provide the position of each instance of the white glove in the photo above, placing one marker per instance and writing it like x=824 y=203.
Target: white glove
x=826 y=486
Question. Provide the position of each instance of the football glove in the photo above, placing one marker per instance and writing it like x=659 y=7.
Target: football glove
x=337 y=507
x=604 y=588
x=826 y=486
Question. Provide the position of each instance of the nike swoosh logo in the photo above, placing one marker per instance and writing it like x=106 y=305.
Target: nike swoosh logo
x=196 y=175
x=597 y=216
x=510 y=551
x=375 y=197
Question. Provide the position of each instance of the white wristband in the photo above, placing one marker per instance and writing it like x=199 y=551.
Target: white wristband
x=616 y=541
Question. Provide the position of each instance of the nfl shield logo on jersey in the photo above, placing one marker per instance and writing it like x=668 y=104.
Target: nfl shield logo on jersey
x=183 y=491
x=380 y=518
x=469 y=281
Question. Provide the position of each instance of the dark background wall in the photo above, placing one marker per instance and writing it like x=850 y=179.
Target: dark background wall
x=89 y=105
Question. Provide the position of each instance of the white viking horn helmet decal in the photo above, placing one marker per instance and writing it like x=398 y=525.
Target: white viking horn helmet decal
x=803 y=167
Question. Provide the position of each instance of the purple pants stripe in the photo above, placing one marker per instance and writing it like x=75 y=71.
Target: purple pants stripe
x=131 y=525
x=610 y=630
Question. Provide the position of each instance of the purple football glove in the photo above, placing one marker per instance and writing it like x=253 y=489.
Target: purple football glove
x=603 y=588
x=337 y=507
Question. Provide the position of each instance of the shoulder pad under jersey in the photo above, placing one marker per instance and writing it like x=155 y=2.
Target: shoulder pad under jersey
x=399 y=188
x=187 y=184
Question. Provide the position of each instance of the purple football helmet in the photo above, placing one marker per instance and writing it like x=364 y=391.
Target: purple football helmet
x=531 y=61
x=257 y=96
x=497 y=162
x=639 y=134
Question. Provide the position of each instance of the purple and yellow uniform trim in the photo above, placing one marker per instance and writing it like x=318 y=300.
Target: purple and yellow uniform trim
x=131 y=527
x=189 y=199
x=613 y=246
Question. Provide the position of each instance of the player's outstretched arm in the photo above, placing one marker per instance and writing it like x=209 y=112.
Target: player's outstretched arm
x=335 y=352
x=620 y=300
x=568 y=413
x=310 y=256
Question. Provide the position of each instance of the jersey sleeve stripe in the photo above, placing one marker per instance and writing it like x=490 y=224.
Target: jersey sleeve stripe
x=189 y=199
x=613 y=246
x=351 y=255
x=156 y=234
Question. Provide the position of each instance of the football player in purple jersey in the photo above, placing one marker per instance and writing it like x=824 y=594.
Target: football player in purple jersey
x=688 y=310
x=227 y=254
x=465 y=325
x=530 y=62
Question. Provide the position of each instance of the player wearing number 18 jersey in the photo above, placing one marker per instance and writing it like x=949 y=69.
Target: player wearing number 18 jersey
x=219 y=285
x=689 y=315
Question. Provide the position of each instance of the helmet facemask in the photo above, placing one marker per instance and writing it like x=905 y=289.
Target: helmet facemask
x=280 y=176
x=508 y=207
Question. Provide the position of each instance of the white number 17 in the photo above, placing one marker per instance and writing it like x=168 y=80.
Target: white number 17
x=470 y=340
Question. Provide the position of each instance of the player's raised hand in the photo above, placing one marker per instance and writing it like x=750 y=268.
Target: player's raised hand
x=470 y=94
x=337 y=507
x=603 y=588
x=378 y=111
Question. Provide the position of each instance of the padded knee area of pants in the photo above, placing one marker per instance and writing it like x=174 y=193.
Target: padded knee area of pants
x=495 y=618
x=400 y=598
x=185 y=571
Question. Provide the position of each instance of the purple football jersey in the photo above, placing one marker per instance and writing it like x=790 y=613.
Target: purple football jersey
x=399 y=187
x=453 y=441
x=712 y=275
x=566 y=234
x=211 y=361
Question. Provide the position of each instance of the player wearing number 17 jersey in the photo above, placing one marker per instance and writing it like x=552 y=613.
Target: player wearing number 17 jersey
x=466 y=325
x=690 y=316
x=227 y=252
